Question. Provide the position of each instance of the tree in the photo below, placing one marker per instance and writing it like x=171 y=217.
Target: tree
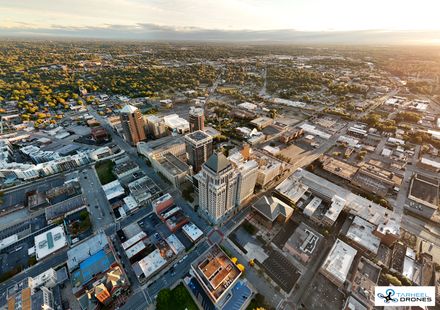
x=393 y=280
x=83 y=215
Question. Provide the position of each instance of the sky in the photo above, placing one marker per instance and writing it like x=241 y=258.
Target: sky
x=221 y=19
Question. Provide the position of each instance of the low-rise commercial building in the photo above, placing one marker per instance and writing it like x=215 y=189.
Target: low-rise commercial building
x=338 y=263
x=270 y=210
x=303 y=243
x=49 y=242
x=192 y=232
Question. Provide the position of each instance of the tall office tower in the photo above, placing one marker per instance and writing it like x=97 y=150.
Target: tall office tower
x=247 y=178
x=196 y=119
x=132 y=124
x=218 y=182
x=199 y=148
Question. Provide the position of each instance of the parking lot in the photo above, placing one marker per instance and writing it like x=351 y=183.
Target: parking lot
x=281 y=270
x=201 y=296
x=15 y=257
x=151 y=224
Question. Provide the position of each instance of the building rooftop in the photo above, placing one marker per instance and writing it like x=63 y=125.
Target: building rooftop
x=292 y=189
x=135 y=249
x=143 y=189
x=125 y=167
x=192 y=231
x=133 y=240
x=262 y=121
x=336 y=208
x=216 y=272
x=339 y=260
x=365 y=280
x=312 y=206
x=113 y=189
x=272 y=207
x=175 y=244
x=153 y=147
x=85 y=249
x=151 y=263
x=355 y=204
x=128 y=109
x=361 y=232
x=196 y=111
x=130 y=202
x=50 y=242
x=173 y=164
x=198 y=136
x=425 y=190
x=303 y=242
x=97 y=263
x=217 y=162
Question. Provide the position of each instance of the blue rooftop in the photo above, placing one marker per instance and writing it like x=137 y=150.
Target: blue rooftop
x=95 y=264
x=239 y=294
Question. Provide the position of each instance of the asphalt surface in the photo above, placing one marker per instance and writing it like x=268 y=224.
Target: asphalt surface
x=99 y=207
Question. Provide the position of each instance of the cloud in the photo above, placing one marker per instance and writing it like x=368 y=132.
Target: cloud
x=150 y=31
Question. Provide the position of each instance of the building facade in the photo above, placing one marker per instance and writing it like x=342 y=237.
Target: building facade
x=132 y=124
x=196 y=119
x=247 y=179
x=218 y=185
x=198 y=148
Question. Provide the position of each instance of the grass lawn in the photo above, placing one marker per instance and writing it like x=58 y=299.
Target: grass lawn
x=177 y=299
x=104 y=171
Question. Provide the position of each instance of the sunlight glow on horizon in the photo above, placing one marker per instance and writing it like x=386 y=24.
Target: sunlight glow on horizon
x=302 y=15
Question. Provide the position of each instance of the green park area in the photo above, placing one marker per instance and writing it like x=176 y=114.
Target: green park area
x=175 y=299
x=104 y=169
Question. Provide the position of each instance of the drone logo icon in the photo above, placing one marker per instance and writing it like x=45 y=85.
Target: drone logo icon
x=388 y=297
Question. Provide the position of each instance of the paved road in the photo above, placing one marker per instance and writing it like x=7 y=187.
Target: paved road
x=146 y=294
x=100 y=209
x=263 y=88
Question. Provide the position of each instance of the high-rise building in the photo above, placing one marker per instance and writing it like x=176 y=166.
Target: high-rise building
x=132 y=124
x=196 y=119
x=198 y=148
x=218 y=182
x=247 y=178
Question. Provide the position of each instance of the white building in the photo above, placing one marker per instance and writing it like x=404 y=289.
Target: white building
x=176 y=123
x=192 y=232
x=218 y=182
x=247 y=178
x=50 y=242
x=338 y=262
x=113 y=190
